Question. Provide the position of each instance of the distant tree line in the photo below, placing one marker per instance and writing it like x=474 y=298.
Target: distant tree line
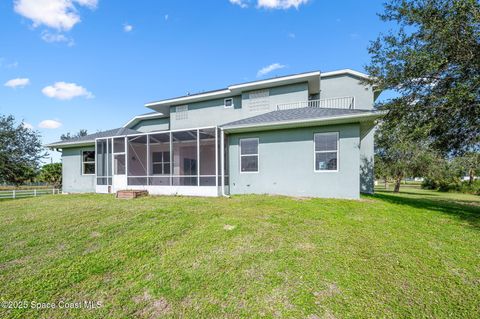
x=21 y=155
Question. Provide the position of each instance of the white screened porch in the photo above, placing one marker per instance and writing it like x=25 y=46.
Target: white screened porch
x=183 y=162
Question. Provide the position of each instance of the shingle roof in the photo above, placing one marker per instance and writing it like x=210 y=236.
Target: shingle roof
x=296 y=115
x=92 y=137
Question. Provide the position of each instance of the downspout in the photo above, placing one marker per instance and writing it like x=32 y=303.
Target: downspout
x=320 y=86
x=222 y=161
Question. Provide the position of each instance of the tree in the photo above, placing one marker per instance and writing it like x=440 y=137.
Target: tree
x=469 y=164
x=398 y=156
x=68 y=136
x=51 y=174
x=20 y=151
x=433 y=62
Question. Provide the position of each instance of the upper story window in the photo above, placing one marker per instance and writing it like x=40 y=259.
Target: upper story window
x=181 y=112
x=258 y=100
x=249 y=155
x=326 y=151
x=228 y=103
x=88 y=162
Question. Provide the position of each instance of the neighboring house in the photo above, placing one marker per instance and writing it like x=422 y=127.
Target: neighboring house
x=308 y=134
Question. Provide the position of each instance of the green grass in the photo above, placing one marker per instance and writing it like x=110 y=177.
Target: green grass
x=413 y=255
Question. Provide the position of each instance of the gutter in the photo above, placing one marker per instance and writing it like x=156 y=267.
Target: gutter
x=69 y=144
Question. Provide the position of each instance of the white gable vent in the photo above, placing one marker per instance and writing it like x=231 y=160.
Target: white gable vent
x=258 y=100
x=181 y=112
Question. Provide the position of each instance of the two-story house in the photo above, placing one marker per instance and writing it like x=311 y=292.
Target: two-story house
x=308 y=134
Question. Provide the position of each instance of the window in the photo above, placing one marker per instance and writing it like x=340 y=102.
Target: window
x=326 y=151
x=161 y=163
x=249 y=155
x=88 y=162
x=258 y=100
x=228 y=103
x=181 y=112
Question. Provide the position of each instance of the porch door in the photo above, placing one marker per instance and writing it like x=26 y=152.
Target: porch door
x=119 y=179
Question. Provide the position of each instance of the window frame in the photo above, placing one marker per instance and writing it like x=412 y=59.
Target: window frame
x=162 y=163
x=225 y=103
x=240 y=155
x=337 y=134
x=94 y=162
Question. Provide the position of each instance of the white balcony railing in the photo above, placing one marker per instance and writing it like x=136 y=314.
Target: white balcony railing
x=347 y=102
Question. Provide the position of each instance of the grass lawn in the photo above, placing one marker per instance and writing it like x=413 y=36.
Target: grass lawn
x=416 y=254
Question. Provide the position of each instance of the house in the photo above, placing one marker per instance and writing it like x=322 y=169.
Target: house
x=308 y=134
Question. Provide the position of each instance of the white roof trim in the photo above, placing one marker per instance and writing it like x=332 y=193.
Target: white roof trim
x=274 y=80
x=339 y=119
x=143 y=117
x=345 y=71
x=70 y=144
x=186 y=98
x=237 y=87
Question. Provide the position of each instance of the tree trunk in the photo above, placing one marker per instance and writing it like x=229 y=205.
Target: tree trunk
x=471 y=177
x=398 y=182
x=386 y=183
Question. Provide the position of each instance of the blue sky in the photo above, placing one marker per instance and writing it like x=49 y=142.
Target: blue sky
x=67 y=65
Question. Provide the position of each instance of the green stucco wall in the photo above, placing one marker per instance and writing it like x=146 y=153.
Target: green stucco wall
x=286 y=164
x=73 y=180
x=347 y=85
x=161 y=124
x=213 y=112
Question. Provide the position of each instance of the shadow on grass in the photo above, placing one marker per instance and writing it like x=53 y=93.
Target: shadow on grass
x=468 y=211
x=407 y=192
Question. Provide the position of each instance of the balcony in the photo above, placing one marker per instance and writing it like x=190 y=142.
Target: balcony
x=347 y=102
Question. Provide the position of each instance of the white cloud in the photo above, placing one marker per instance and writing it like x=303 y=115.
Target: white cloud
x=61 y=15
x=127 y=27
x=50 y=124
x=66 y=91
x=270 y=68
x=17 y=83
x=57 y=37
x=280 y=4
x=166 y=17
x=271 y=4
x=241 y=3
x=27 y=125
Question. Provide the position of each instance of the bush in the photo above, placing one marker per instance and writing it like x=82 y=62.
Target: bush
x=429 y=184
x=466 y=187
x=452 y=186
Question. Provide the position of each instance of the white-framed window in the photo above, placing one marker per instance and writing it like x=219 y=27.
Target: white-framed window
x=326 y=152
x=161 y=163
x=228 y=103
x=181 y=112
x=249 y=155
x=88 y=162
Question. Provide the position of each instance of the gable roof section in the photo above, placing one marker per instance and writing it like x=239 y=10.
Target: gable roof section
x=147 y=116
x=313 y=79
x=90 y=138
x=301 y=117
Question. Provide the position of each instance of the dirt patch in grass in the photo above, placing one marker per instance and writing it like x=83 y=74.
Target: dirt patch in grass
x=229 y=227
x=331 y=290
x=154 y=308
x=95 y=234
